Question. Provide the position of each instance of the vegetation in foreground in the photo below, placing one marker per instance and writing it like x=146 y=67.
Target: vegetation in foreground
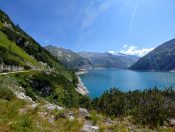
x=20 y=115
x=151 y=107
x=137 y=110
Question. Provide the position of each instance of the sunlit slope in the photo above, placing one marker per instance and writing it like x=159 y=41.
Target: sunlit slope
x=47 y=77
x=14 y=39
x=18 y=48
x=11 y=54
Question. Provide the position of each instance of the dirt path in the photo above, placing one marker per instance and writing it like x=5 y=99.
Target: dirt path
x=5 y=73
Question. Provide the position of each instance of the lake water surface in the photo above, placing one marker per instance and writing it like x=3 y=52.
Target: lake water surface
x=99 y=80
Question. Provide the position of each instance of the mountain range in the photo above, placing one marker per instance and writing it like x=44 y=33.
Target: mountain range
x=161 y=58
x=107 y=60
x=68 y=58
x=84 y=59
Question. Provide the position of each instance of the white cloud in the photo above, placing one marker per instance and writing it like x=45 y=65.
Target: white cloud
x=133 y=50
x=125 y=46
x=112 y=52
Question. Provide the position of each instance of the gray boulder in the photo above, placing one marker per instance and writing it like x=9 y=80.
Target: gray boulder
x=171 y=122
x=83 y=112
x=88 y=127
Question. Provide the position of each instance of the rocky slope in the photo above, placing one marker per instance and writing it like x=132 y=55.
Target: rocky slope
x=91 y=59
x=19 y=112
x=67 y=57
x=160 y=59
x=107 y=60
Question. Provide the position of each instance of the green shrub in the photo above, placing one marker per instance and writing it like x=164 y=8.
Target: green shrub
x=30 y=94
x=6 y=93
x=149 y=107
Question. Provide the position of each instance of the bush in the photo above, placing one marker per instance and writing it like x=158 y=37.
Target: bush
x=149 y=107
x=6 y=93
x=155 y=110
x=30 y=94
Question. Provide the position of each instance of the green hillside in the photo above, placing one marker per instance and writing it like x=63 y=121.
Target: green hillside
x=16 y=41
x=46 y=77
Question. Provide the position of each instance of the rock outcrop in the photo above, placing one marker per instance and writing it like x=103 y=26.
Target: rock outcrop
x=88 y=127
x=171 y=122
x=8 y=68
x=83 y=112
x=81 y=88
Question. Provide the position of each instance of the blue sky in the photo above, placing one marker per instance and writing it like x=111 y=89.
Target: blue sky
x=127 y=26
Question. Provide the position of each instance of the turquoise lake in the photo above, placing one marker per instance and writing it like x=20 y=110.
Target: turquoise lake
x=99 y=80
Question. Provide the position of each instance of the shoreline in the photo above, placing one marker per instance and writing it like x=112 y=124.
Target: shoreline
x=81 y=88
x=172 y=71
x=81 y=72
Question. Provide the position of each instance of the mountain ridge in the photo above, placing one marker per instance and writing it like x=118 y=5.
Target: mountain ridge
x=92 y=59
x=69 y=58
x=107 y=60
x=161 y=58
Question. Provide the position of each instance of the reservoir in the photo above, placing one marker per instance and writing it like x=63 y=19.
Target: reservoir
x=99 y=80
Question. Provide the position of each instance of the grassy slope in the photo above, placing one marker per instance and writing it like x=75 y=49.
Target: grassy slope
x=30 y=120
x=61 y=81
x=62 y=91
x=10 y=52
x=23 y=53
x=14 y=33
x=18 y=115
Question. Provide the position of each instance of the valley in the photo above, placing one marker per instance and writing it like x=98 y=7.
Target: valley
x=51 y=88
